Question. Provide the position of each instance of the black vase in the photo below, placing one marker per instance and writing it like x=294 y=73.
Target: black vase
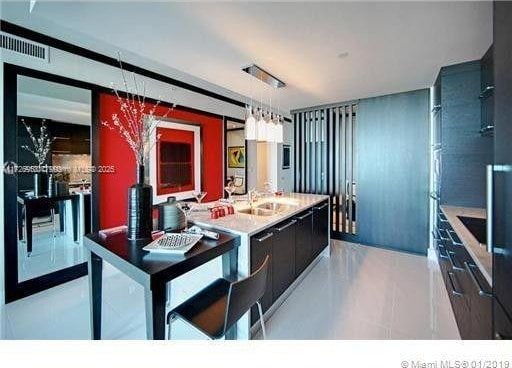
x=140 y=208
x=40 y=184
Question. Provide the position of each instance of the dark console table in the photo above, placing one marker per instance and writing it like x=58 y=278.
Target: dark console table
x=153 y=272
x=29 y=207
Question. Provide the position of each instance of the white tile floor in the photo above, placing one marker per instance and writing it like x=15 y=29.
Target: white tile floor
x=49 y=253
x=358 y=293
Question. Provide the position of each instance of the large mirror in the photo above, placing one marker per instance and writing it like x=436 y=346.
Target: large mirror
x=235 y=156
x=53 y=183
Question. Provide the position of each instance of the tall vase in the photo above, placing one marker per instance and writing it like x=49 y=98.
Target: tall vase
x=140 y=208
x=40 y=184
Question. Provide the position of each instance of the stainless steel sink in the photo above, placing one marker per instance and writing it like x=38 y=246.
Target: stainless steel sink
x=267 y=209
x=275 y=206
x=257 y=211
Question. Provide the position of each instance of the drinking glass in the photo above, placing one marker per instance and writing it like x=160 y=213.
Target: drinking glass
x=199 y=196
x=230 y=189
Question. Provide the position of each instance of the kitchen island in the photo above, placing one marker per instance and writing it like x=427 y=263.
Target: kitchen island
x=293 y=229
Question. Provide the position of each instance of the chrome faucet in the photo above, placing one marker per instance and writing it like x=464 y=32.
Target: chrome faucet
x=252 y=196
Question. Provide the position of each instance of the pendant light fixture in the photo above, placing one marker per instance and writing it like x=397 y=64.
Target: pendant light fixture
x=278 y=130
x=250 y=125
x=260 y=126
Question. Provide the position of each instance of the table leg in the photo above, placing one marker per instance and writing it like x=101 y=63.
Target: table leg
x=95 y=266
x=74 y=210
x=28 y=229
x=20 y=221
x=230 y=272
x=155 y=311
x=62 y=217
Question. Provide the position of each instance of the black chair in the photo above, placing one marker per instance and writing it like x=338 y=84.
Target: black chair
x=216 y=308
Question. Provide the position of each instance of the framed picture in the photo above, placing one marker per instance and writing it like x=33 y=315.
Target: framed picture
x=236 y=157
x=286 y=156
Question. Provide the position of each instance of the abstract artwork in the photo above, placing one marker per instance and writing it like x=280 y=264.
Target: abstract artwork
x=236 y=157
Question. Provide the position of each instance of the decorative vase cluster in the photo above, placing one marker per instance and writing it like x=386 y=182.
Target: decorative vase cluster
x=136 y=124
x=40 y=148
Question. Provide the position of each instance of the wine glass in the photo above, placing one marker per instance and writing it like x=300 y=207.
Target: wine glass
x=187 y=210
x=199 y=196
x=230 y=189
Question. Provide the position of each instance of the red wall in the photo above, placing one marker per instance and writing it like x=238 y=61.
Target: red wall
x=115 y=151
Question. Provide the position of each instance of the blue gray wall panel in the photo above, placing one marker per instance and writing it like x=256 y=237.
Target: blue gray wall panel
x=465 y=152
x=392 y=153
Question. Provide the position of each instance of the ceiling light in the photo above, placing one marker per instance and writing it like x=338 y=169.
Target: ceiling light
x=261 y=128
x=250 y=125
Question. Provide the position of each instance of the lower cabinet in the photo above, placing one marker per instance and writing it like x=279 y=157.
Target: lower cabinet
x=469 y=292
x=261 y=246
x=502 y=323
x=292 y=245
x=320 y=237
x=283 y=257
x=303 y=245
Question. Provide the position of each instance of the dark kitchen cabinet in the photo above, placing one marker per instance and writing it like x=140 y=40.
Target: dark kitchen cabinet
x=502 y=323
x=480 y=299
x=283 y=257
x=261 y=246
x=303 y=245
x=501 y=219
x=469 y=292
x=320 y=237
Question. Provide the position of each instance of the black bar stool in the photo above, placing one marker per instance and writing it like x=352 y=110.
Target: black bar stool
x=217 y=307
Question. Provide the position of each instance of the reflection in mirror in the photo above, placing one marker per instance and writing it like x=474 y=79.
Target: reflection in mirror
x=54 y=179
x=235 y=157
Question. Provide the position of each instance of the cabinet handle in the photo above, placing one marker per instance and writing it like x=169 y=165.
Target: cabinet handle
x=481 y=291
x=304 y=216
x=321 y=207
x=441 y=235
x=279 y=229
x=451 y=256
x=454 y=290
x=435 y=236
x=489 y=193
x=449 y=232
x=265 y=237
x=441 y=255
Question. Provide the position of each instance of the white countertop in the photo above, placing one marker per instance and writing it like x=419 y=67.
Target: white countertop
x=246 y=224
x=478 y=252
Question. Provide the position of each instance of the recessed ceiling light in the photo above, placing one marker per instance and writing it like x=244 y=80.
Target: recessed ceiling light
x=342 y=55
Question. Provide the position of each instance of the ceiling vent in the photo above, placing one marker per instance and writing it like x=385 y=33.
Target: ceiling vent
x=21 y=46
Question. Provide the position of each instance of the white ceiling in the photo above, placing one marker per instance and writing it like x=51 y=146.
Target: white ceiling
x=391 y=46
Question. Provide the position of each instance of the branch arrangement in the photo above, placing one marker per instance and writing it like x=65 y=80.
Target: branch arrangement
x=136 y=123
x=41 y=144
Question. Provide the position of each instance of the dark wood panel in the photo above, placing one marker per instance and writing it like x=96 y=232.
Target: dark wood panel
x=502 y=216
x=392 y=171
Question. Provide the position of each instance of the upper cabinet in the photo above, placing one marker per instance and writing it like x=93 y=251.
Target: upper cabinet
x=487 y=93
x=461 y=151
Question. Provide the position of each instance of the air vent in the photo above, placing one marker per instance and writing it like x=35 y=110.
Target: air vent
x=21 y=46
